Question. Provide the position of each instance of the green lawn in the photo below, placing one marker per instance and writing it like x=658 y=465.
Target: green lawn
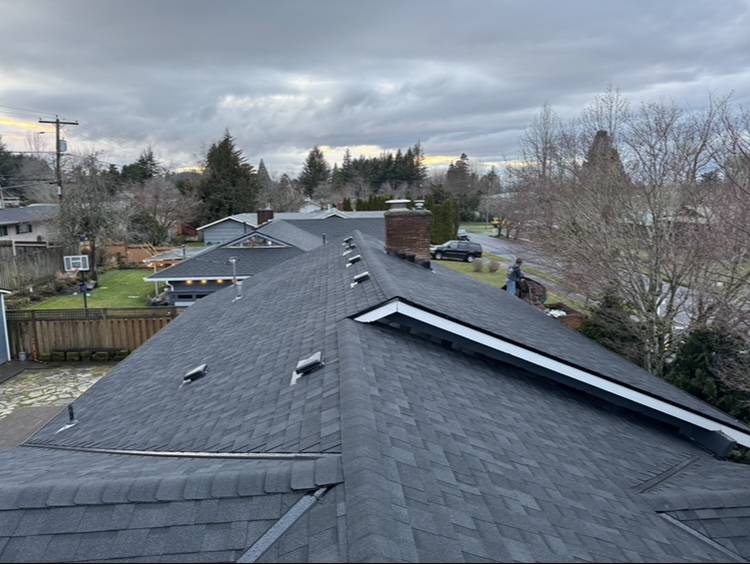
x=497 y=279
x=117 y=288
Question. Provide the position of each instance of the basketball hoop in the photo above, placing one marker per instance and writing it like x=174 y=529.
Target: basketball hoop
x=76 y=263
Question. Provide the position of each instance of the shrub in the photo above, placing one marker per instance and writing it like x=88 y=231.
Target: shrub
x=494 y=266
x=610 y=325
x=477 y=265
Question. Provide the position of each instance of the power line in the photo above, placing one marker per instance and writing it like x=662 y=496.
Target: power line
x=35 y=112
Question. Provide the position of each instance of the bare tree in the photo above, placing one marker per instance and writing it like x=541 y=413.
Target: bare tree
x=90 y=208
x=158 y=206
x=608 y=111
x=620 y=218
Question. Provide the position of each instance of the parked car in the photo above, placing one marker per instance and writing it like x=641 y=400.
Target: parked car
x=457 y=250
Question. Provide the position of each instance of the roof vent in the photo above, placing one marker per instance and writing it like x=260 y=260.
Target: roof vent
x=349 y=250
x=359 y=278
x=307 y=365
x=195 y=374
x=347 y=241
x=352 y=260
x=72 y=421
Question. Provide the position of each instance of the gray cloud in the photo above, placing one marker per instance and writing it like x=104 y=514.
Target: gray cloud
x=282 y=76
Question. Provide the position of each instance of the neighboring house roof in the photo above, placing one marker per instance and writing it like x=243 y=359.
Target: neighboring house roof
x=214 y=263
x=288 y=233
x=430 y=448
x=252 y=218
x=28 y=214
x=300 y=235
x=335 y=227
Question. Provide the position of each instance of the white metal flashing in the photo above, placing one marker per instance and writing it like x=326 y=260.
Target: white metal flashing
x=4 y=326
x=556 y=366
x=228 y=218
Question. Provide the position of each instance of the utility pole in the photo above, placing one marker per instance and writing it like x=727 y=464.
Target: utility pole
x=58 y=151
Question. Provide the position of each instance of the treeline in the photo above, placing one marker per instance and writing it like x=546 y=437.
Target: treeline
x=386 y=170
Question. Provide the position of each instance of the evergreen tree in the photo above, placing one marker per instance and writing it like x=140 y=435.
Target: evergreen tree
x=347 y=172
x=264 y=179
x=9 y=164
x=229 y=184
x=315 y=172
x=713 y=364
x=337 y=180
x=145 y=167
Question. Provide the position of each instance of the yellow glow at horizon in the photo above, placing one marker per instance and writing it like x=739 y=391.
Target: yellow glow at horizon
x=22 y=124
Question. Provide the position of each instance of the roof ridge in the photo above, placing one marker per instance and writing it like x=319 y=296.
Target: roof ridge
x=369 y=520
x=381 y=275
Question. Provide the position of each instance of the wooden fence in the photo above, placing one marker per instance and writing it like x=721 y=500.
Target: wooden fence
x=28 y=264
x=44 y=332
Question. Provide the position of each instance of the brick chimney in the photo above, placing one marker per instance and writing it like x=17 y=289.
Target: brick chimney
x=265 y=215
x=407 y=231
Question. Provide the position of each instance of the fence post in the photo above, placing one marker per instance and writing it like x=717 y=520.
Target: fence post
x=34 y=337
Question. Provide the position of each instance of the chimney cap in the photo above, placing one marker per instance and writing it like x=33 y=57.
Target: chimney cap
x=398 y=204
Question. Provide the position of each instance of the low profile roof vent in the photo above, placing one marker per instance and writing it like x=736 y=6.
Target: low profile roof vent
x=72 y=421
x=195 y=374
x=359 y=278
x=353 y=260
x=347 y=242
x=307 y=365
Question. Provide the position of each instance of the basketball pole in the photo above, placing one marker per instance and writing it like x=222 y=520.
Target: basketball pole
x=83 y=291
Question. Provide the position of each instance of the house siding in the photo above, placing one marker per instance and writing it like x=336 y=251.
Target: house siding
x=224 y=231
x=39 y=232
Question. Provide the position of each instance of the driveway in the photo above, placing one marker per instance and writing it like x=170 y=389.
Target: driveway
x=534 y=258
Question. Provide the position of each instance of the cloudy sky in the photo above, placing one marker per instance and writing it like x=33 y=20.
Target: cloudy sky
x=283 y=76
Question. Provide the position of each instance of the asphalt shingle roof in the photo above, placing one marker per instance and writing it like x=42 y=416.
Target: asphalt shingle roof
x=215 y=262
x=481 y=306
x=444 y=455
x=73 y=506
x=36 y=212
x=290 y=234
x=302 y=235
x=336 y=227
